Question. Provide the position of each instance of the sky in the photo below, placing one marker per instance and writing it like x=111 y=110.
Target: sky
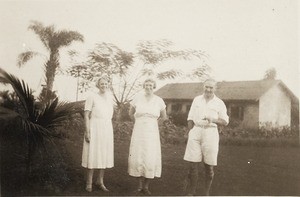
x=242 y=38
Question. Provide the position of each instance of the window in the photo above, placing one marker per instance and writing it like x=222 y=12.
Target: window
x=237 y=112
x=176 y=107
x=188 y=107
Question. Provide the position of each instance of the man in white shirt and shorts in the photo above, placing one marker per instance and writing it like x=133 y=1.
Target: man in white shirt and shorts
x=206 y=114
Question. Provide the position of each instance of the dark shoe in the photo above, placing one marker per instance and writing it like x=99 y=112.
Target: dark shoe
x=103 y=188
x=146 y=191
x=139 y=190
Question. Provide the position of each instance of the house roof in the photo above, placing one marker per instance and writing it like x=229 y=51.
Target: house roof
x=226 y=90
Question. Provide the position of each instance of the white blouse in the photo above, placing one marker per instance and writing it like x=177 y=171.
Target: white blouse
x=144 y=107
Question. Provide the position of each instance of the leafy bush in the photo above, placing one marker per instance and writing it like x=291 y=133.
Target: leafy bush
x=258 y=141
x=234 y=123
x=172 y=134
x=121 y=113
x=179 y=118
x=122 y=130
x=266 y=135
x=169 y=132
x=266 y=130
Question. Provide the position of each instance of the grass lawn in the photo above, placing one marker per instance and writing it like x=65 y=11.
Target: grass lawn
x=241 y=170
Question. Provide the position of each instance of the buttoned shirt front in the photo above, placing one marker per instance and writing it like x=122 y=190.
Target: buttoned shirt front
x=215 y=108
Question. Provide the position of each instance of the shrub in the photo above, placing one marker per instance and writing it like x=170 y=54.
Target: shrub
x=234 y=123
x=172 y=134
x=179 y=118
x=169 y=132
x=121 y=113
x=258 y=141
x=122 y=130
x=266 y=130
x=270 y=130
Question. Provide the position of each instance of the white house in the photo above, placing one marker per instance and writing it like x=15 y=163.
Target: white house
x=252 y=103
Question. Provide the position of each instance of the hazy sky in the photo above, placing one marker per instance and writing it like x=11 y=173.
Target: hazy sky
x=242 y=38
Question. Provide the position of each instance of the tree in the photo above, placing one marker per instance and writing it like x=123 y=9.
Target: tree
x=38 y=121
x=53 y=40
x=127 y=70
x=270 y=74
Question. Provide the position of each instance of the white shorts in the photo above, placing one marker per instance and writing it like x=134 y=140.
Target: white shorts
x=202 y=143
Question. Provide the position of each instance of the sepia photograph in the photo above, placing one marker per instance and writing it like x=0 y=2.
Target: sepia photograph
x=149 y=98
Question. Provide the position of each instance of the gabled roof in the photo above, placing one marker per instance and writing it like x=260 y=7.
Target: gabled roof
x=226 y=90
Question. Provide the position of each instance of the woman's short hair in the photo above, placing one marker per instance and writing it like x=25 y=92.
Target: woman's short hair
x=150 y=80
x=105 y=78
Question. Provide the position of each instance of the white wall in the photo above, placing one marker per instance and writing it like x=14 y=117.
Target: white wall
x=251 y=116
x=275 y=107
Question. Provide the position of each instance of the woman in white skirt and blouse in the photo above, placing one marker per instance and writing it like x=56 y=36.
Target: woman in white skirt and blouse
x=144 y=159
x=98 y=147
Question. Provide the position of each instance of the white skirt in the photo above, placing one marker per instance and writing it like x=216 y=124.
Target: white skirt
x=99 y=152
x=145 y=150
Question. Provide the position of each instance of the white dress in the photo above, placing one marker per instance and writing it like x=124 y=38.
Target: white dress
x=99 y=152
x=145 y=151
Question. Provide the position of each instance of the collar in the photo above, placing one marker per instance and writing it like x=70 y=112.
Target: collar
x=213 y=98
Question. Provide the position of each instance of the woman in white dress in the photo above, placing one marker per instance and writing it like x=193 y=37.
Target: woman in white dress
x=145 y=151
x=98 y=147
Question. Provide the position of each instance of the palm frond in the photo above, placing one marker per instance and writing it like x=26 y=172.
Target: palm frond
x=45 y=33
x=46 y=113
x=24 y=57
x=23 y=92
x=56 y=113
x=36 y=131
x=63 y=112
x=39 y=120
x=65 y=38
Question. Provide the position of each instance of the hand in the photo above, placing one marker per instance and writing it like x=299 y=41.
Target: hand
x=87 y=137
x=209 y=119
x=202 y=122
x=137 y=115
x=186 y=133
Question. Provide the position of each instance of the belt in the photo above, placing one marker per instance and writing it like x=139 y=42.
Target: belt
x=206 y=126
x=146 y=116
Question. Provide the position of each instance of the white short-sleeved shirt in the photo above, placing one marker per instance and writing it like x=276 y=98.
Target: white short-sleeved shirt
x=100 y=106
x=153 y=107
x=200 y=109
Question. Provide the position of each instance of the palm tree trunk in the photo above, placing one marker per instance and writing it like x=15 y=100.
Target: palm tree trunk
x=51 y=66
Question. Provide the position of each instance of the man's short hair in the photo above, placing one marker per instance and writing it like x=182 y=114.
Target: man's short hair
x=210 y=80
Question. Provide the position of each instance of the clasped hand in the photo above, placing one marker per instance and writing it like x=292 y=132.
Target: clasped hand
x=205 y=121
x=209 y=119
x=87 y=137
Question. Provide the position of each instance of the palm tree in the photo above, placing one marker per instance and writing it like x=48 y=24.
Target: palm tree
x=39 y=121
x=53 y=41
